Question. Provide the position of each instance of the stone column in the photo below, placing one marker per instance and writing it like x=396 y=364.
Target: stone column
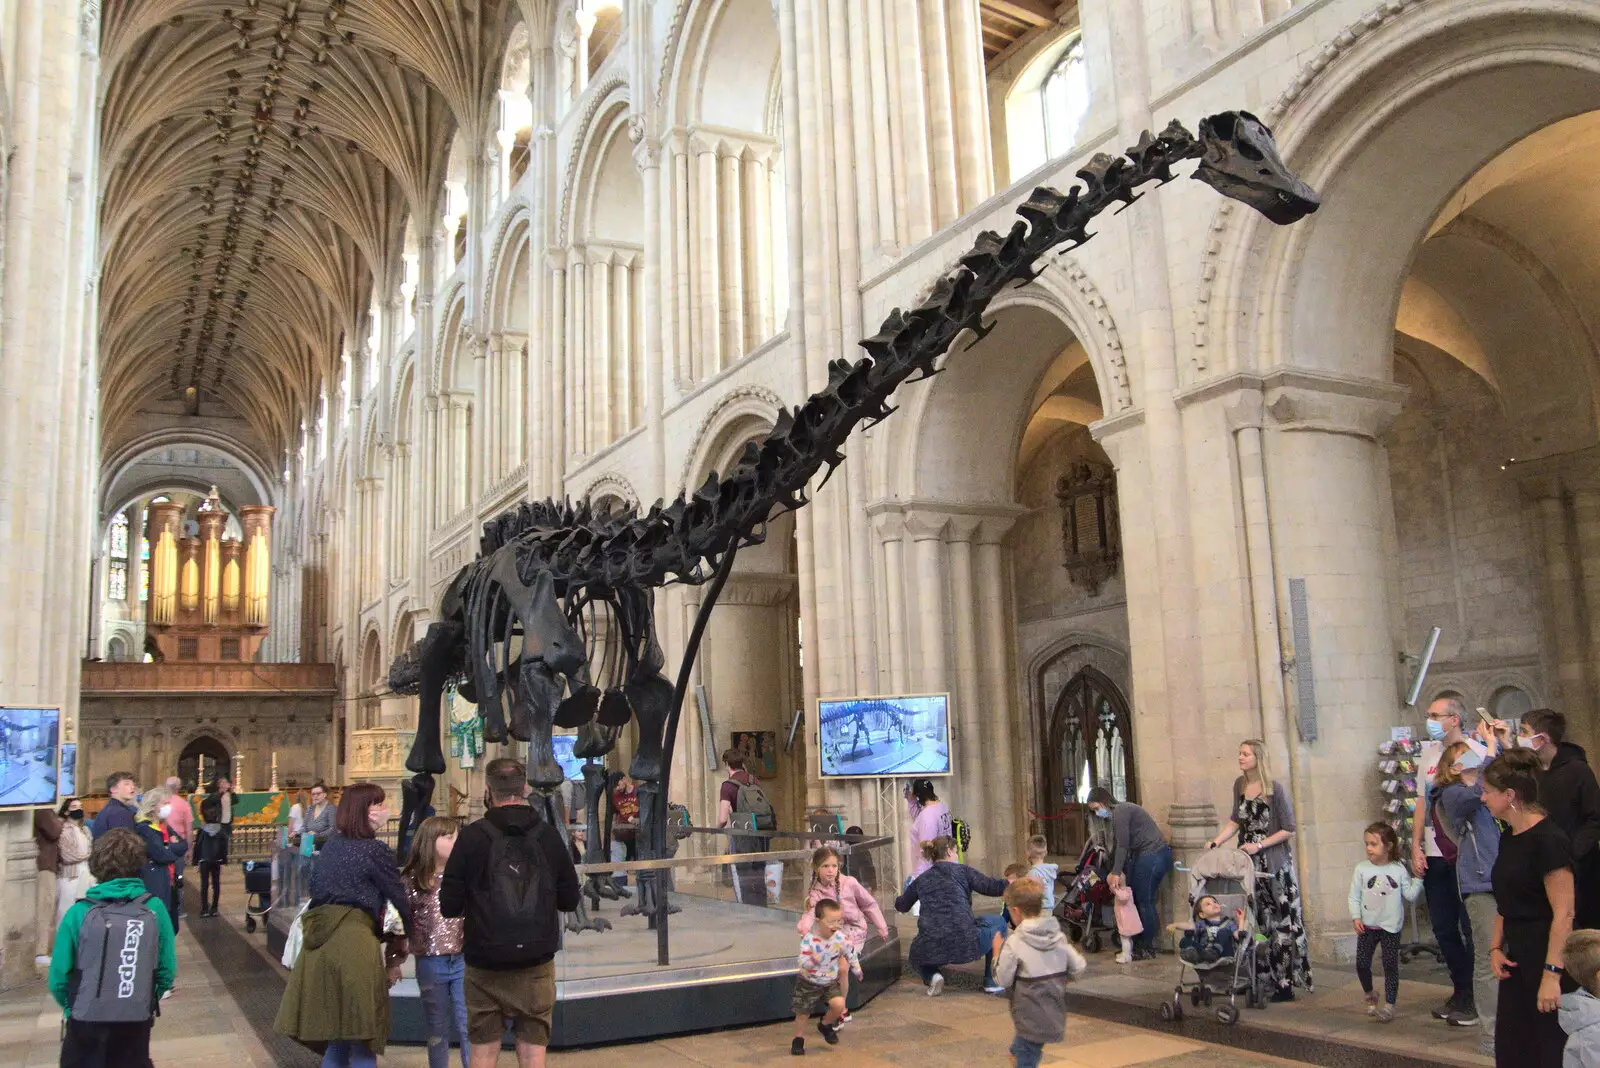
x=997 y=656
x=1327 y=498
x=1586 y=522
x=1564 y=585
x=708 y=353
x=731 y=223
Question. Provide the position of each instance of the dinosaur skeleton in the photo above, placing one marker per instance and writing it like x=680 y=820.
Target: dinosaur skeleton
x=552 y=624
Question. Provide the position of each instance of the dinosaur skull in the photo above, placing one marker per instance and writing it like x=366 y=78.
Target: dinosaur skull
x=1241 y=161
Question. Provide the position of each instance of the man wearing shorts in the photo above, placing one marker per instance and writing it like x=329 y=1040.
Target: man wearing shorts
x=511 y=876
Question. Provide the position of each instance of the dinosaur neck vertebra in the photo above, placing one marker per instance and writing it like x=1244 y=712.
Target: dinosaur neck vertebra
x=586 y=551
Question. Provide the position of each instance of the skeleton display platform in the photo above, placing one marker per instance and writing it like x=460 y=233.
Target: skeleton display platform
x=731 y=964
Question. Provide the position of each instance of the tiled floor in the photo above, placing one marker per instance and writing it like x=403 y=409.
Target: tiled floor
x=207 y=1022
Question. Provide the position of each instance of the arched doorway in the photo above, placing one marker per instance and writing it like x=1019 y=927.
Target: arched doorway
x=202 y=760
x=1088 y=742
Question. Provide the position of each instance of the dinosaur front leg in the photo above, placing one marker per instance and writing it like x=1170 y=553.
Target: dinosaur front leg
x=651 y=698
x=539 y=689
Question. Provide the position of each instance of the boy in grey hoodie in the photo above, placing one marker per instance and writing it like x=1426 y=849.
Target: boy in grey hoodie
x=1036 y=962
x=1580 y=1010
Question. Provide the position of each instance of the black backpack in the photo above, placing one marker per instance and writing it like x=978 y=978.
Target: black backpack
x=114 y=977
x=521 y=896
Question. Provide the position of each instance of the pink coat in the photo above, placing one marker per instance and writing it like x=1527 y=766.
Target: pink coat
x=855 y=902
x=1128 y=921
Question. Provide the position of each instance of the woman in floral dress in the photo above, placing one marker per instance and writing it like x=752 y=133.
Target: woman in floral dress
x=1263 y=818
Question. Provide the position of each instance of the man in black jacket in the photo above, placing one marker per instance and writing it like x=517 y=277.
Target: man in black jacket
x=511 y=876
x=1570 y=795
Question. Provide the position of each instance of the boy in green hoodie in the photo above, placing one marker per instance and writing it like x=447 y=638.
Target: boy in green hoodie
x=115 y=860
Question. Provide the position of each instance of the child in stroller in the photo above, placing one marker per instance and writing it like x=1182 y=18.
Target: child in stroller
x=1081 y=908
x=1213 y=935
x=1218 y=950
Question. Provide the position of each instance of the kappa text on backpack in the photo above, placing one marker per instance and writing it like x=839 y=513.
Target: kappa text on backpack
x=115 y=978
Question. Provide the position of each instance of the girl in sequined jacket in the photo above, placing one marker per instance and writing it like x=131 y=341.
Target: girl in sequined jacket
x=436 y=942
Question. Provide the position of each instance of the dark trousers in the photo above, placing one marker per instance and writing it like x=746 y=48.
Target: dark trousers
x=1586 y=905
x=1451 y=928
x=1144 y=879
x=1368 y=941
x=1524 y=1037
x=106 y=1045
x=210 y=880
x=927 y=971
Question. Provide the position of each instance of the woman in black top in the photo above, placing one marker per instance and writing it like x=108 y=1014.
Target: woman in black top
x=1532 y=881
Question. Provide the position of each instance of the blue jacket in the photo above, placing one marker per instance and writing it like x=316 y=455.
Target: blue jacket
x=947 y=933
x=115 y=814
x=1475 y=833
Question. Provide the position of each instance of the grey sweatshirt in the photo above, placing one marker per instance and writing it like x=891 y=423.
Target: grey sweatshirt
x=1133 y=834
x=1037 y=962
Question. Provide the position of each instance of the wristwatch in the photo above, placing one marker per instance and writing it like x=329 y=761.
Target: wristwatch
x=1554 y=969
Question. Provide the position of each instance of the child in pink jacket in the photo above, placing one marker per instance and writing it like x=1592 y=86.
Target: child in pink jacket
x=856 y=902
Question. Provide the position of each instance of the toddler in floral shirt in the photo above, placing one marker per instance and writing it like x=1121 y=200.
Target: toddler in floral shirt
x=824 y=954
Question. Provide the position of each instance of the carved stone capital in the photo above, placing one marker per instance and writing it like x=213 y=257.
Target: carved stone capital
x=1301 y=401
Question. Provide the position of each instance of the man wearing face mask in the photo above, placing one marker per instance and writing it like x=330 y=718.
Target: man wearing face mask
x=1570 y=796
x=1433 y=856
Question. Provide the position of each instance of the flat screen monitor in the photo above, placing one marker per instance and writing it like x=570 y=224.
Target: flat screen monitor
x=571 y=766
x=68 y=780
x=879 y=737
x=30 y=743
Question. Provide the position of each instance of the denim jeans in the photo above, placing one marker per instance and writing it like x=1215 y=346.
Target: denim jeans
x=988 y=927
x=1144 y=877
x=1485 y=987
x=620 y=852
x=444 y=1006
x=342 y=1054
x=1027 y=1053
x=1451 y=928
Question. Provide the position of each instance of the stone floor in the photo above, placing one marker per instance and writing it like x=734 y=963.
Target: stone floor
x=220 y=1015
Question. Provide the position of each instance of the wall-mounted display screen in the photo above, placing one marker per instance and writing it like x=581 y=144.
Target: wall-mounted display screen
x=30 y=743
x=68 y=780
x=885 y=736
x=571 y=766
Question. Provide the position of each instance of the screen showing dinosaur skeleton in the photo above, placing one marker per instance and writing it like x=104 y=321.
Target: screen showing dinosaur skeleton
x=885 y=736
x=29 y=740
x=571 y=766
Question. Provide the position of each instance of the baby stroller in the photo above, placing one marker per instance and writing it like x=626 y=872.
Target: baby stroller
x=1083 y=905
x=257 y=892
x=1229 y=875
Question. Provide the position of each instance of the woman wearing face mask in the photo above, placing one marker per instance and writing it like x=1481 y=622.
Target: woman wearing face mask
x=1263 y=818
x=73 y=878
x=1140 y=859
x=164 y=850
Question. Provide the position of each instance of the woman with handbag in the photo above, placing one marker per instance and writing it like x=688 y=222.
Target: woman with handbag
x=337 y=999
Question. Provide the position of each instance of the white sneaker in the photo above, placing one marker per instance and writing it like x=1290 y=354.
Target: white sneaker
x=994 y=988
x=936 y=985
x=846 y=1018
x=1125 y=957
x=165 y=994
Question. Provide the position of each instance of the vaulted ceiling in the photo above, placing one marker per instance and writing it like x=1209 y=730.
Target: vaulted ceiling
x=258 y=160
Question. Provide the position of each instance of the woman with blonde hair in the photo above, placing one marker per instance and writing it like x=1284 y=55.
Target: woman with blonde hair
x=1263 y=819
x=164 y=850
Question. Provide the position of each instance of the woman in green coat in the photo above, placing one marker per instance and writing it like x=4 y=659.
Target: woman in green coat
x=337 y=1000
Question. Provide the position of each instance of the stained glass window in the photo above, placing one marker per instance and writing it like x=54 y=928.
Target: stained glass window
x=117 y=579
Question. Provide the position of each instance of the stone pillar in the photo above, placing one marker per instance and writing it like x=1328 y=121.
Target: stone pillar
x=1328 y=492
x=748 y=643
x=1574 y=670
x=997 y=656
x=1586 y=521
